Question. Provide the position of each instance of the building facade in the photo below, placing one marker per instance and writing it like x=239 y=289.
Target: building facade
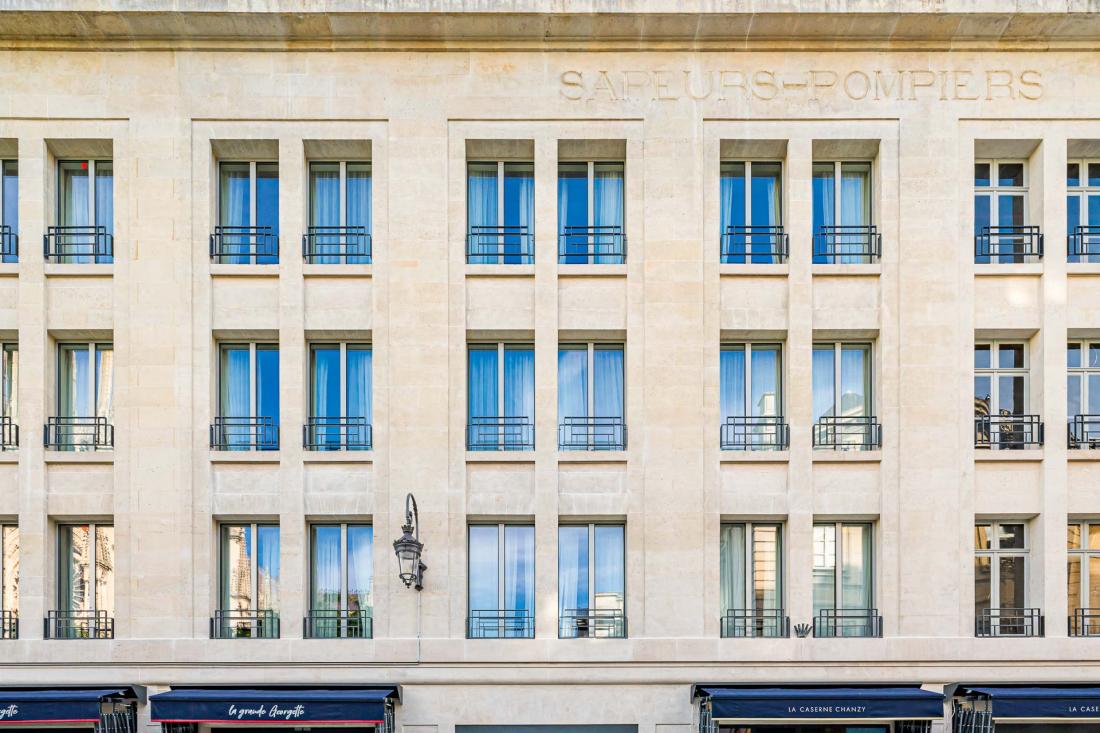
x=744 y=366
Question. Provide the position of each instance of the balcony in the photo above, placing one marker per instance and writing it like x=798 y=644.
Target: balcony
x=758 y=245
x=1009 y=622
x=234 y=245
x=244 y=625
x=337 y=624
x=759 y=623
x=848 y=623
x=333 y=245
x=9 y=625
x=78 y=625
x=9 y=433
x=334 y=433
x=755 y=433
x=500 y=624
x=859 y=244
x=9 y=244
x=78 y=245
x=78 y=434
x=1007 y=432
x=500 y=433
x=244 y=433
x=500 y=245
x=1085 y=622
x=1084 y=432
x=592 y=433
x=594 y=245
x=1008 y=244
x=1083 y=242
x=853 y=432
x=592 y=623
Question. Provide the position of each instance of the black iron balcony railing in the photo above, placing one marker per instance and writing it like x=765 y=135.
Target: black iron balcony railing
x=500 y=245
x=847 y=244
x=336 y=433
x=9 y=625
x=601 y=245
x=237 y=245
x=848 y=622
x=78 y=433
x=1008 y=244
x=9 y=433
x=749 y=623
x=1009 y=622
x=9 y=244
x=337 y=624
x=755 y=433
x=229 y=624
x=763 y=245
x=78 y=244
x=592 y=623
x=336 y=245
x=500 y=433
x=850 y=432
x=1083 y=241
x=500 y=624
x=592 y=433
x=1084 y=622
x=244 y=433
x=1084 y=432
x=1008 y=432
x=78 y=625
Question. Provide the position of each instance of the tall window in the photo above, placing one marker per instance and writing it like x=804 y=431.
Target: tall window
x=843 y=223
x=501 y=397
x=1001 y=396
x=591 y=580
x=339 y=212
x=248 y=213
x=591 y=201
x=842 y=403
x=85 y=394
x=500 y=211
x=1083 y=210
x=590 y=397
x=85 y=212
x=1083 y=573
x=248 y=581
x=1083 y=393
x=9 y=211
x=9 y=395
x=9 y=580
x=752 y=212
x=340 y=397
x=752 y=397
x=751 y=567
x=1000 y=578
x=1000 y=212
x=502 y=581
x=843 y=580
x=248 y=397
x=341 y=575
x=85 y=581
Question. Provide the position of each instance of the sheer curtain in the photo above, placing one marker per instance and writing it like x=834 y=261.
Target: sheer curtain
x=105 y=200
x=267 y=206
x=360 y=569
x=824 y=568
x=74 y=205
x=766 y=186
x=519 y=574
x=235 y=207
x=824 y=381
x=9 y=201
x=359 y=378
x=104 y=381
x=326 y=567
x=235 y=386
x=855 y=205
x=824 y=200
x=326 y=381
x=519 y=382
x=519 y=210
x=358 y=206
x=74 y=399
x=731 y=567
x=267 y=567
x=764 y=399
x=608 y=381
x=855 y=575
x=481 y=202
x=324 y=209
x=732 y=194
x=732 y=380
x=484 y=389
x=572 y=382
x=607 y=197
x=855 y=376
x=483 y=577
x=573 y=210
x=572 y=569
x=610 y=566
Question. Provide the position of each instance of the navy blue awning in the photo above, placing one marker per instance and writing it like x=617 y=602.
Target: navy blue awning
x=56 y=705
x=822 y=703
x=1041 y=702
x=272 y=705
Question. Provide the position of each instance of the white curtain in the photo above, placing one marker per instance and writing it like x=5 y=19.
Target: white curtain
x=855 y=205
x=732 y=380
x=359 y=378
x=572 y=569
x=326 y=381
x=326 y=567
x=608 y=382
x=519 y=382
x=105 y=201
x=608 y=200
x=482 y=199
x=235 y=207
x=855 y=576
x=609 y=562
x=732 y=193
x=731 y=565
x=360 y=568
x=358 y=205
x=324 y=208
x=75 y=182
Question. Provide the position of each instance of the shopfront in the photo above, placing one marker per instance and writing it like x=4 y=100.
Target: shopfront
x=1026 y=709
x=110 y=709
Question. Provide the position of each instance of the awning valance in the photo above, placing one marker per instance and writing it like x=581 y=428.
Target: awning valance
x=1040 y=702
x=365 y=705
x=57 y=705
x=822 y=703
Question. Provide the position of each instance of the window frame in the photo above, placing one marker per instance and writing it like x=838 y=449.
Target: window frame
x=93 y=348
x=253 y=202
x=5 y=528
x=253 y=381
x=591 y=189
x=253 y=562
x=93 y=562
x=839 y=557
x=344 y=567
x=747 y=347
x=344 y=347
x=591 y=526
x=3 y=193
x=1082 y=555
x=750 y=565
x=837 y=164
x=747 y=178
x=93 y=181
x=591 y=347
x=1083 y=371
x=500 y=347
x=995 y=553
x=994 y=372
x=501 y=561
x=343 y=190
x=996 y=191
x=838 y=352
x=9 y=381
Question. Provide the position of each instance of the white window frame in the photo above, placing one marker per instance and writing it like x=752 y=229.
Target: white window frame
x=839 y=557
x=994 y=372
x=592 y=347
x=4 y=526
x=592 y=557
x=747 y=177
x=253 y=560
x=343 y=346
x=92 y=348
x=750 y=562
x=838 y=350
x=500 y=347
x=93 y=177
x=343 y=187
x=253 y=382
x=995 y=553
x=1083 y=554
x=1083 y=372
x=746 y=347
x=591 y=190
x=252 y=202
x=93 y=559
x=343 y=559
x=501 y=560
x=837 y=207
x=996 y=191
x=1082 y=190
x=8 y=379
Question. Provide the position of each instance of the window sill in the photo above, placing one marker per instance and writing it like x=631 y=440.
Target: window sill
x=1008 y=270
x=1078 y=454
x=64 y=456
x=245 y=456
x=592 y=456
x=871 y=269
x=337 y=456
x=9 y=456
x=1073 y=269
x=220 y=270
x=756 y=270
x=55 y=269
x=500 y=270
x=9 y=269
x=847 y=456
x=565 y=270
x=334 y=270
x=982 y=455
x=500 y=456
x=756 y=456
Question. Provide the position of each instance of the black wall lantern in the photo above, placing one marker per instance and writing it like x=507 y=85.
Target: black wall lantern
x=409 y=548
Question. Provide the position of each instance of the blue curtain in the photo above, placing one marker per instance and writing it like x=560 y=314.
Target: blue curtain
x=483 y=578
x=481 y=211
x=572 y=383
x=607 y=381
x=235 y=206
x=325 y=397
x=732 y=192
x=573 y=569
x=267 y=384
x=9 y=196
x=732 y=380
x=326 y=567
x=824 y=201
x=484 y=388
x=267 y=567
x=766 y=188
x=357 y=202
x=765 y=397
x=855 y=204
x=607 y=198
x=610 y=566
x=235 y=387
x=324 y=209
x=359 y=378
x=824 y=381
x=105 y=200
x=519 y=382
x=360 y=568
x=73 y=204
x=267 y=203
x=519 y=571
x=573 y=209
x=519 y=209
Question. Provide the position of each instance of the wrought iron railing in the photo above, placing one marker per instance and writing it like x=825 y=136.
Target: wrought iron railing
x=1084 y=622
x=754 y=245
x=1009 y=622
x=500 y=245
x=78 y=244
x=9 y=244
x=602 y=245
x=1084 y=432
x=78 y=625
x=9 y=433
x=78 y=433
x=1008 y=432
x=967 y=718
x=850 y=432
x=244 y=245
x=9 y=625
x=754 y=623
x=500 y=433
x=592 y=623
x=1008 y=244
x=117 y=717
x=592 y=433
x=337 y=624
x=500 y=624
x=847 y=244
x=848 y=622
x=231 y=624
x=336 y=433
x=244 y=433
x=337 y=245
x=755 y=433
x=1083 y=241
